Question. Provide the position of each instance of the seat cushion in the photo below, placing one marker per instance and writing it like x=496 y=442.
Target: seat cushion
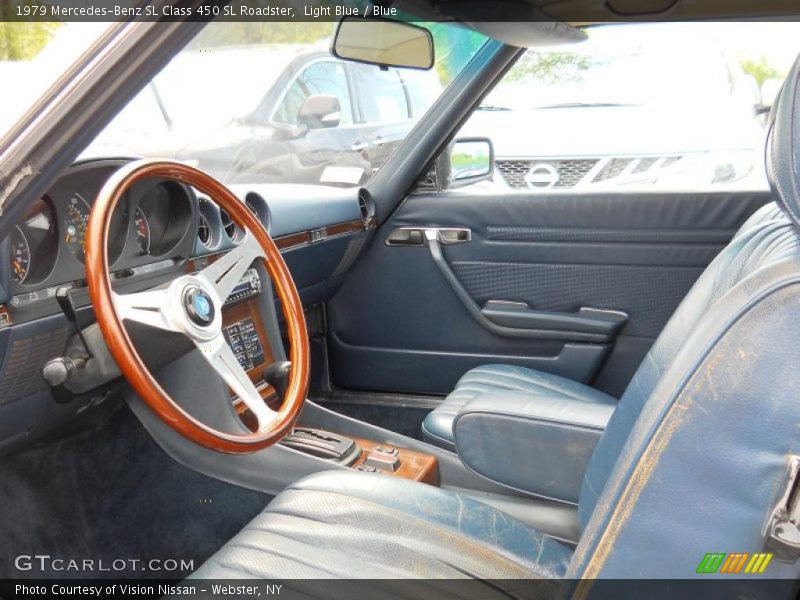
x=358 y=525
x=438 y=425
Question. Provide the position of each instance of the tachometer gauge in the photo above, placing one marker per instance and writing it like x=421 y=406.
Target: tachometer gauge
x=75 y=223
x=142 y=228
x=20 y=255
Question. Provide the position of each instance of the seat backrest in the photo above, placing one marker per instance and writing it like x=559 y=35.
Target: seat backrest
x=694 y=457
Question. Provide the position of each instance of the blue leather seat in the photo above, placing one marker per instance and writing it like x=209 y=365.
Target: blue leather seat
x=694 y=459
x=438 y=425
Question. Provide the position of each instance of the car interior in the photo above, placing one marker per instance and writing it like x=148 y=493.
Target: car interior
x=410 y=377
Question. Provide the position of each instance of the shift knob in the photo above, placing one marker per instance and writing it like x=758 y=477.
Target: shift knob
x=277 y=375
x=60 y=370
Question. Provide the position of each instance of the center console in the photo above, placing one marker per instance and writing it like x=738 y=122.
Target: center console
x=363 y=455
x=245 y=333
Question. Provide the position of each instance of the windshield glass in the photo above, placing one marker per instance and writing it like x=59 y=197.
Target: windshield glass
x=636 y=64
x=243 y=103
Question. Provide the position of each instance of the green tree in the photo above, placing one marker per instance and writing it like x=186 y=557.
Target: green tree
x=549 y=67
x=760 y=68
x=24 y=40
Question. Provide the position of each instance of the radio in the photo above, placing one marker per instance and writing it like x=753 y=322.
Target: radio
x=249 y=285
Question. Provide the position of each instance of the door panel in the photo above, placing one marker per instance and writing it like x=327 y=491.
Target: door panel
x=403 y=324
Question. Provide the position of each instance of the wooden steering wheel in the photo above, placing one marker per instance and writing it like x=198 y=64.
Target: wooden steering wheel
x=192 y=305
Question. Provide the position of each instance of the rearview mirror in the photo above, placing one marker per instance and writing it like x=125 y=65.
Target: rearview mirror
x=471 y=161
x=383 y=42
x=318 y=112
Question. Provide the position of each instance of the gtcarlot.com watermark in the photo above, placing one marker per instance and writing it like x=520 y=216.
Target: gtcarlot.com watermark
x=54 y=564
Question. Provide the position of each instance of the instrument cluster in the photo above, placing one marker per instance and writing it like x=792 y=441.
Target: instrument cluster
x=48 y=245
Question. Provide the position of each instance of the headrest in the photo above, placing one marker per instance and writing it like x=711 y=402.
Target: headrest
x=783 y=145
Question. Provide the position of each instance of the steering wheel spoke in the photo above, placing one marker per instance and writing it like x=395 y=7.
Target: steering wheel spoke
x=148 y=307
x=223 y=274
x=222 y=359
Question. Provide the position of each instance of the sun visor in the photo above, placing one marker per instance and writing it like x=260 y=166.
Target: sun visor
x=515 y=23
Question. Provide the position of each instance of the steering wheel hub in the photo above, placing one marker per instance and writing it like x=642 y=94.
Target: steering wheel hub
x=199 y=306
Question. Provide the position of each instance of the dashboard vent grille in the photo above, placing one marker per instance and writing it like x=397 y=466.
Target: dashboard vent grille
x=21 y=371
x=204 y=231
x=366 y=205
x=231 y=229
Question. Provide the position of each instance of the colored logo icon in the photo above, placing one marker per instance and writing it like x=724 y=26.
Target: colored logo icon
x=736 y=562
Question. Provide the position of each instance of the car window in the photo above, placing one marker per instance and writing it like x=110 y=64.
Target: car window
x=33 y=55
x=632 y=110
x=322 y=78
x=423 y=89
x=228 y=104
x=382 y=98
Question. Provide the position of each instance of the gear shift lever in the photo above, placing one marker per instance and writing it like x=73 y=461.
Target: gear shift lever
x=277 y=375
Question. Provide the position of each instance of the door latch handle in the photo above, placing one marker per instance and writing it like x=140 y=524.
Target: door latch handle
x=417 y=236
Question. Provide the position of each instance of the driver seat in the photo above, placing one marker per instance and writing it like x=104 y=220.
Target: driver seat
x=693 y=461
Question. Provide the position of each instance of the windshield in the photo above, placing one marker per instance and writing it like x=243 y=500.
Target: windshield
x=627 y=65
x=268 y=103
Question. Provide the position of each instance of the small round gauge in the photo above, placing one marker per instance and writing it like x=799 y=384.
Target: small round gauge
x=20 y=255
x=75 y=223
x=142 y=228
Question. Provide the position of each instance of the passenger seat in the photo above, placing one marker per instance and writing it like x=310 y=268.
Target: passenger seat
x=437 y=428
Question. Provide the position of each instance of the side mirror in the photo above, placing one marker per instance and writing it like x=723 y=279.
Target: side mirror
x=471 y=161
x=769 y=94
x=383 y=42
x=319 y=112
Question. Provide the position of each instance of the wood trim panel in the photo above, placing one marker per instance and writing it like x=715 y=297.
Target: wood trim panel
x=301 y=238
x=231 y=315
x=290 y=241
x=414 y=465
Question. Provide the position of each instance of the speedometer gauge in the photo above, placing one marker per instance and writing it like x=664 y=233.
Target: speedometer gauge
x=75 y=223
x=20 y=255
x=142 y=228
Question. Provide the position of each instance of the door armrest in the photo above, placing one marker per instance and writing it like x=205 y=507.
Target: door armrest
x=519 y=315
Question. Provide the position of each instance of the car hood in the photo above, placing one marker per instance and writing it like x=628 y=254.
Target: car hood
x=615 y=130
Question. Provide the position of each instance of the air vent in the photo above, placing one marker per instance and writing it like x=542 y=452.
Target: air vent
x=204 y=231
x=259 y=207
x=231 y=229
x=366 y=204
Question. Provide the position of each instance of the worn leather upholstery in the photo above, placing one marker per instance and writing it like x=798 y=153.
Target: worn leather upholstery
x=353 y=524
x=489 y=379
x=551 y=438
x=692 y=461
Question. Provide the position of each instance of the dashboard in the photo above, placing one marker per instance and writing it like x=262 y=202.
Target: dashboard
x=159 y=230
x=154 y=223
x=160 y=225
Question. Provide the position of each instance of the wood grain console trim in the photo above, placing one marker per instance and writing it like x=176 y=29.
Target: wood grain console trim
x=294 y=240
x=414 y=465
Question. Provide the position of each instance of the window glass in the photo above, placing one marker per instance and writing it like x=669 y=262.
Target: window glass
x=228 y=104
x=32 y=57
x=323 y=78
x=381 y=95
x=423 y=90
x=639 y=107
